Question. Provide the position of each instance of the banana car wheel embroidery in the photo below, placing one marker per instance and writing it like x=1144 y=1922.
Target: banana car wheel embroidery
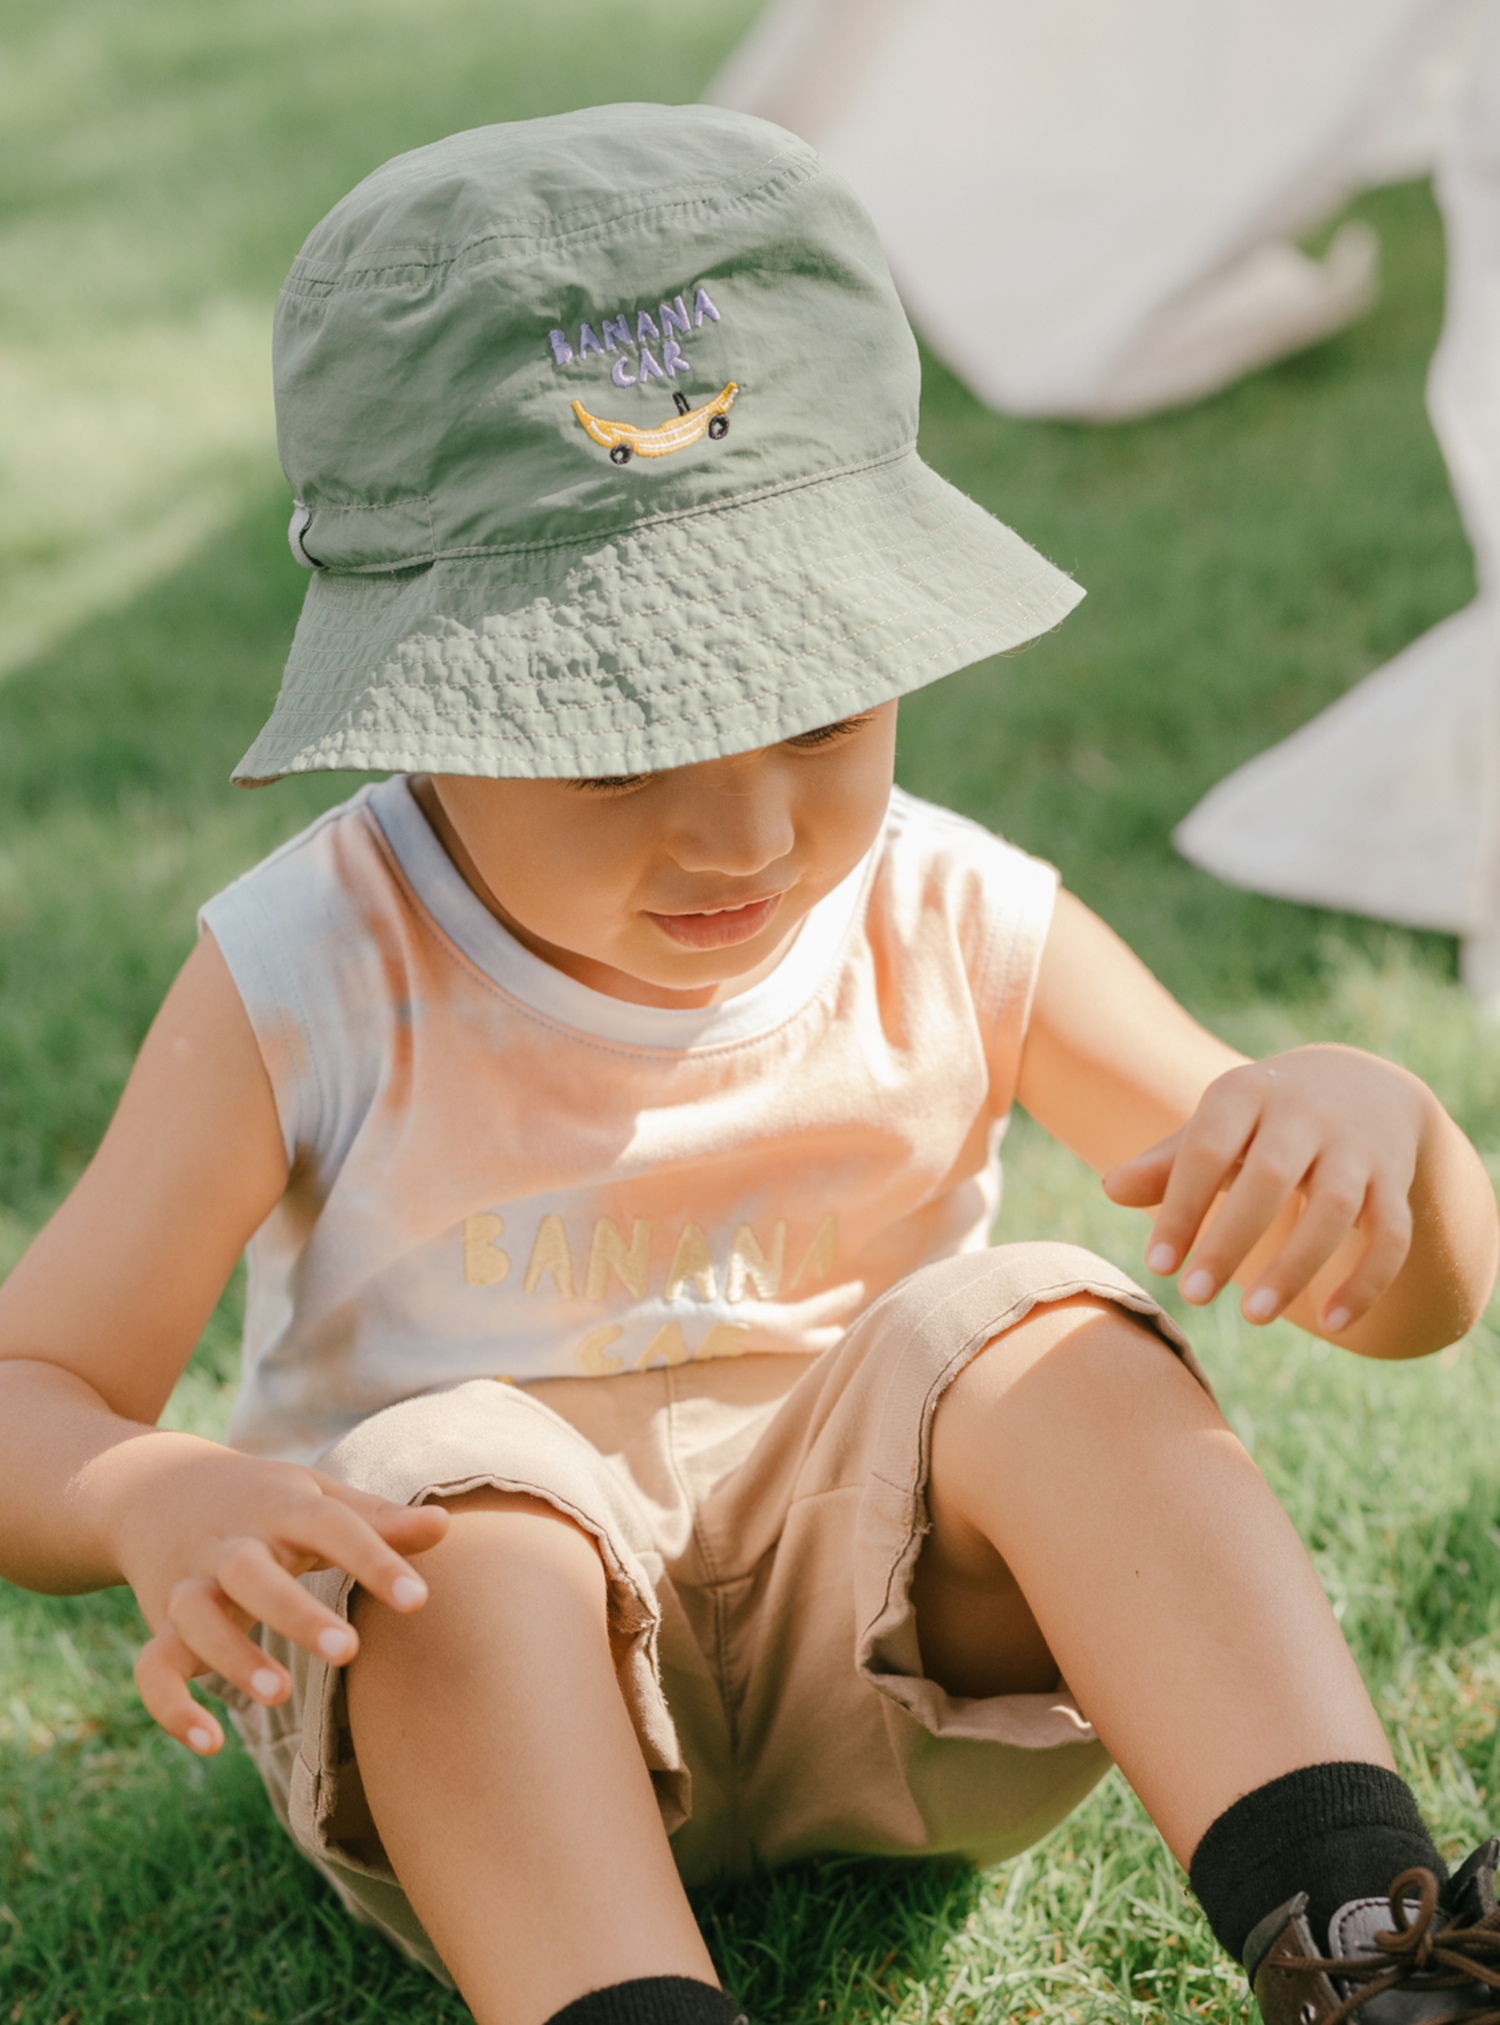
x=623 y=441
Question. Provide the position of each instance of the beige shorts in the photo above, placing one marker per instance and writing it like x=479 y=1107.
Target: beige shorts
x=759 y=1521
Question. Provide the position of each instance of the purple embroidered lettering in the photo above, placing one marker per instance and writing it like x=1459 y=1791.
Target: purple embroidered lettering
x=674 y=316
x=672 y=358
x=485 y=1265
x=615 y=327
x=649 y=369
x=691 y=1261
x=702 y=307
x=550 y=1254
x=587 y=342
x=750 y=1266
x=607 y=1251
x=645 y=326
x=562 y=351
x=621 y=374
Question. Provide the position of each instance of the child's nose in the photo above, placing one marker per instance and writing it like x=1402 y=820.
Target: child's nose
x=742 y=827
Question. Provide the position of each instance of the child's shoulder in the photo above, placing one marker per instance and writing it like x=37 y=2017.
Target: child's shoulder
x=346 y=868
x=940 y=852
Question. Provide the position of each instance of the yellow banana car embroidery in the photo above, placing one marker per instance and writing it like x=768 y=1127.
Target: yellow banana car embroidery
x=623 y=441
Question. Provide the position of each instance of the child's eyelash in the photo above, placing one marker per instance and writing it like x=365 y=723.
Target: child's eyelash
x=611 y=783
x=826 y=734
x=822 y=734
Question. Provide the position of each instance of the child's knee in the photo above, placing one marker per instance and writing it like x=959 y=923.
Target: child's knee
x=1069 y=1365
x=507 y=1555
x=1086 y=1342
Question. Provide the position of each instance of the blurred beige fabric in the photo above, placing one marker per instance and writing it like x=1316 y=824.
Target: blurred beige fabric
x=1388 y=803
x=1090 y=206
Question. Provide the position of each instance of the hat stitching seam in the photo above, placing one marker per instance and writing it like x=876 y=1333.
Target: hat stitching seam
x=541 y=744
x=632 y=528
x=326 y=279
x=705 y=627
x=780 y=566
x=871 y=559
x=1011 y=599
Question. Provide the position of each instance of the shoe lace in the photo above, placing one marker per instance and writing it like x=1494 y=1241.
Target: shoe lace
x=1443 y=1958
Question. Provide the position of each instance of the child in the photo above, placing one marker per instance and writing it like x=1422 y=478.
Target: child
x=637 y=1046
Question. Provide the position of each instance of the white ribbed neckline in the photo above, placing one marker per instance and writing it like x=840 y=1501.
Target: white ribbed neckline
x=487 y=943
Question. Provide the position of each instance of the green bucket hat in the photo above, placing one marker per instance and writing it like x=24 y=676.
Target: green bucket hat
x=602 y=431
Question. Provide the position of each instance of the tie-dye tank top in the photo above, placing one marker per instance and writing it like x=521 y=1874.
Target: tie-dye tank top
x=498 y=1172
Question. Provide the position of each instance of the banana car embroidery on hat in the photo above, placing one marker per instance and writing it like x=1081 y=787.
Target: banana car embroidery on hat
x=623 y=439
x=503 y=583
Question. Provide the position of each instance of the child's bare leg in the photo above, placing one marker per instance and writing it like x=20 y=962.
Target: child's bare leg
x=504 y=1776
x=1093 y=1515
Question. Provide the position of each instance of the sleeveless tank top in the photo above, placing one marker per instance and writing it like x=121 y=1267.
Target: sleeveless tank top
x=498 y=1172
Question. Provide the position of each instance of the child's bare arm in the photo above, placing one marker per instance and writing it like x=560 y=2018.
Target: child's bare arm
x=1347 y=1198
x=96 y=1323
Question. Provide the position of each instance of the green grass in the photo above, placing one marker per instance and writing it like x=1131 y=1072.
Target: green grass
x=1246 y=561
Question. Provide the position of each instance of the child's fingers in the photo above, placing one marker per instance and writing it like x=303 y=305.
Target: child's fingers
x=1141 y=1183
x=199 y=1612
x=250 y=1584
x=1387 y=1228
x=162 y=1672
x=411 y=1529
x=1208 y=1155
x=331 y=1531
x=1334 y=1197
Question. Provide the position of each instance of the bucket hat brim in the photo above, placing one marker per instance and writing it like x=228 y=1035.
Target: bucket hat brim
x=680 y=638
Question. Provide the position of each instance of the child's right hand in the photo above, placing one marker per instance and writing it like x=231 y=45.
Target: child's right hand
x=219 y=1548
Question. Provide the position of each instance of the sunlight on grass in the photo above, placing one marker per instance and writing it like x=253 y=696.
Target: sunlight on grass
x=1245 y=563
x=124 y=452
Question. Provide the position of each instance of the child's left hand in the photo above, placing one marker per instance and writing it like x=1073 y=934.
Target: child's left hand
x=1332 y=1185
x=1314 y=1154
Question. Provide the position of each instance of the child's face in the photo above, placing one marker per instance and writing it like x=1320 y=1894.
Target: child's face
x=674 y=888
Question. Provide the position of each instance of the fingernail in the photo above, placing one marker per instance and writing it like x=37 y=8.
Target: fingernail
x=265 y=1683
x=407 y=1591
x=336 y=1643
x=1336 y=1319
x=1161 y=1258
x=201 y=1739
x=1198 y=1286
x=1261 y=1305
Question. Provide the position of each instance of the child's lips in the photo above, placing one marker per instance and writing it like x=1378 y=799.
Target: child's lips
x=721 y=927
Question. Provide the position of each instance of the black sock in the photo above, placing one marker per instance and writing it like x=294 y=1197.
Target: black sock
x=1337 y=1832
x=653 y=2000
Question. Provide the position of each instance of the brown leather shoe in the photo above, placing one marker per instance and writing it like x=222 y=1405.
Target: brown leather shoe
x=1394 y=1961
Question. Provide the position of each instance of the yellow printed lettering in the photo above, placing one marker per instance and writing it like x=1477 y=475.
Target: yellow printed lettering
x=550 y=1254
x=667 y=1343
x=821 y=1255
x=690 y=1261
x=590 y=1356
x=747 y=1262
x=724 y=1339
x=608 y=1249
x=485 y=1265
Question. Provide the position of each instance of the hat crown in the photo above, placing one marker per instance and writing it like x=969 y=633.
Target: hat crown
x=490 y=342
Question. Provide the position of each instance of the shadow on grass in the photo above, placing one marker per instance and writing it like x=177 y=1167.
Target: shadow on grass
x=845 y=1937
x=155 y=1885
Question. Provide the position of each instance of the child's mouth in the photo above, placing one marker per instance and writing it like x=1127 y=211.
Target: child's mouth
x=721 y=928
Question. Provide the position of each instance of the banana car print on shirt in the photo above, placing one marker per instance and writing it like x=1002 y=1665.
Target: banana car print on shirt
x=623 y=440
